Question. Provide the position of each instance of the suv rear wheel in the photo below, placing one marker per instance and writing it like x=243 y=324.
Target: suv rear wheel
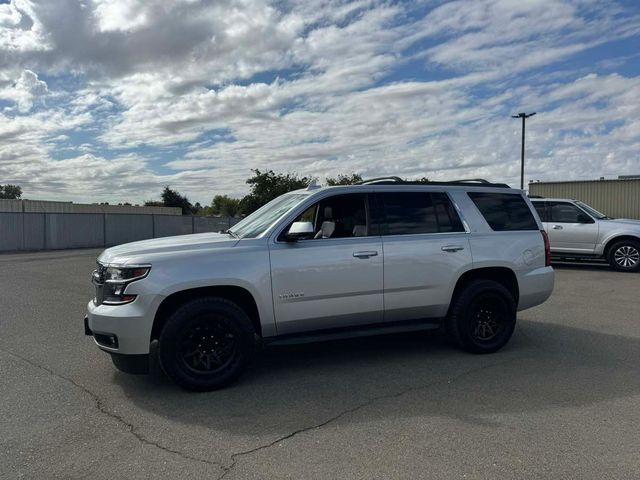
x=206 y=343
x=482 y=317
x=624 y=256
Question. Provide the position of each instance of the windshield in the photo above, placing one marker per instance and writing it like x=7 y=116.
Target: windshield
x=259 y=221
x=592 y=211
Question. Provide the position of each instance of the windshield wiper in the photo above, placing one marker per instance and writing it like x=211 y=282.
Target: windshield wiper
x=231 y=232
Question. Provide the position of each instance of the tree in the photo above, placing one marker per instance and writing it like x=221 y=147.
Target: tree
x=265 y=186
x=10 y=192
x=350 y=179
x=225 y=205
x=171 y=198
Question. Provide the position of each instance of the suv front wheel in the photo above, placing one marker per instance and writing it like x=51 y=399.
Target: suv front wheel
x=624 y=256
x=206 y=343
x=482 y=317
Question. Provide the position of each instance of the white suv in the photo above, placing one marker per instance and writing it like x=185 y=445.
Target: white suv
x=577 y=230
x=325 y=262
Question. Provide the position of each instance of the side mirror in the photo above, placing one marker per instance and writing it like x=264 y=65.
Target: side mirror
x=584 y=218
x=300 y=231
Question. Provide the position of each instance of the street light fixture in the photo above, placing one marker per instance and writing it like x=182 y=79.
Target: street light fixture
x=524 y=117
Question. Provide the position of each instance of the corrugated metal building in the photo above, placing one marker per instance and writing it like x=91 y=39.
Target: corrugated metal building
x=619 y=198
x=45 y=206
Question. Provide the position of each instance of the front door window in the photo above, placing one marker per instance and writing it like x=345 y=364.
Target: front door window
x=340 y=216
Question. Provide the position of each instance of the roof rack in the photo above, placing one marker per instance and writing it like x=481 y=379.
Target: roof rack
x=391 y=179
x=462 y=182
x=471 y=180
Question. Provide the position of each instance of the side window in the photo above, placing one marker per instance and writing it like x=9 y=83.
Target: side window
x=543 y=212
x=504 y=211
x=406 y=213
x=563 y=212
x=339 y=216
x=448 y=218
x=309 y=215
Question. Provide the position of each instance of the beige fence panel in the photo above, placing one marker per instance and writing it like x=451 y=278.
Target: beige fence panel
x=618 y=198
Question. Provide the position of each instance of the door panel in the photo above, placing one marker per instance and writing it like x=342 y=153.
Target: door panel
x=327 y=283
x=425 y=247
x=566 y=233
x=418 y=273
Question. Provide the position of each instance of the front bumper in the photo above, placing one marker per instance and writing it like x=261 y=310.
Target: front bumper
x=87 y=330
x=134 y=364
x=122 y=329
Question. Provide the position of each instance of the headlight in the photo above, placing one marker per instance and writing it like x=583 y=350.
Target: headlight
x=126 y=274
x=111 y=283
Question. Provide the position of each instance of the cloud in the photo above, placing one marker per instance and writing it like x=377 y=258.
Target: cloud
x=24 y=91
x=110 y=100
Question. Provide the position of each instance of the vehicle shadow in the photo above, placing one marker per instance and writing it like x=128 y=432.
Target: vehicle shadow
x=409 y=375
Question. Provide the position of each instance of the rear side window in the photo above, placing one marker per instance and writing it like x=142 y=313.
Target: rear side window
x=407 y=213
x=448 y=218
x=504 y=211
x=543 y=212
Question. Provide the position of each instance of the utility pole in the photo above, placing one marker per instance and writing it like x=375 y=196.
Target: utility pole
x=524 y=117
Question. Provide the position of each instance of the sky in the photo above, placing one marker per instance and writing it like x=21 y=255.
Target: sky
x=111 y=100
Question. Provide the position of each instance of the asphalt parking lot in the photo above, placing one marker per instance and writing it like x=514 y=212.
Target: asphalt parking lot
x=561 y=401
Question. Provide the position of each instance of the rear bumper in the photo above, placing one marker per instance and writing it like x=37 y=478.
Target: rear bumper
x=535 y=287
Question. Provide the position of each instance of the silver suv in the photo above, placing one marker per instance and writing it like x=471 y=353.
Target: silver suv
x=325 y=262
x=577 y=230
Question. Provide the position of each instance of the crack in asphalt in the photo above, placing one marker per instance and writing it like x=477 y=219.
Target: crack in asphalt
x=100 y=406
x=368 y=403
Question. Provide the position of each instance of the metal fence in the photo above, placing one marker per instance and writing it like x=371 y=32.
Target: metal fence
x=619 y=198
x=49 y=206
x=20 y=231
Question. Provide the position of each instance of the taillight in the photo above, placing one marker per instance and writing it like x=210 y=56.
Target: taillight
x=547 y=249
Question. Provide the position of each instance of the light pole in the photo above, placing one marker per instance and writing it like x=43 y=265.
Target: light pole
x=524 y=117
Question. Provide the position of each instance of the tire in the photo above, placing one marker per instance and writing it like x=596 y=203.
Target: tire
x=482 y=317
x=624 y=256
x=206 y=344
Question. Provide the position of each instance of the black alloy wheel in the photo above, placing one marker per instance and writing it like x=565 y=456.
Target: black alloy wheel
x=482 y=316
x=489 y=316
x=206 y=343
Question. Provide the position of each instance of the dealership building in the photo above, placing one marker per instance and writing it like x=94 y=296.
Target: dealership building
x=618 y=198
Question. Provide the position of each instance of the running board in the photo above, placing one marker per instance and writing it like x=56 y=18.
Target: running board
x=577 y=256
x=354 y=332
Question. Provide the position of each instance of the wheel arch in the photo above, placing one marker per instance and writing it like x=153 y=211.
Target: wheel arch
x=239 y=295
x=502 y=275
x=612 y=241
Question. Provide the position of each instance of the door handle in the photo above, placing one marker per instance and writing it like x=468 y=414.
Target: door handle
x=365 y=254
x=556 y=227
x=452 y=248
